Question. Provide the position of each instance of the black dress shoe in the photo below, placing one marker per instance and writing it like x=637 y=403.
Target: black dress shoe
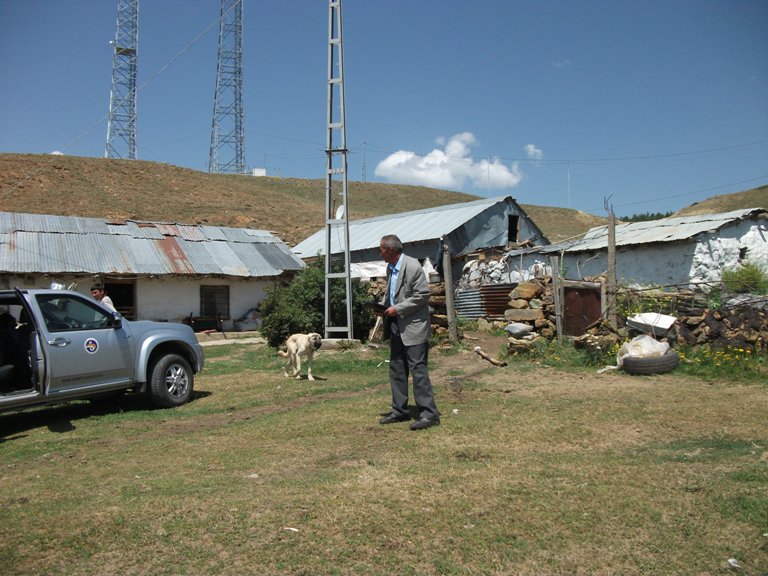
x=422 y=423
x=394 y=417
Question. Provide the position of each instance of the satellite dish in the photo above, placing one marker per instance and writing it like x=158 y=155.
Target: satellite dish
x=340 y=212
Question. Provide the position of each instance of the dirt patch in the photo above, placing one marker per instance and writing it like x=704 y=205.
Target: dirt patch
x=449 y=364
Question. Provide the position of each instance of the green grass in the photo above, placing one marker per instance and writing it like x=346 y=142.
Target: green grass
x=733 y=364
x=534 y=470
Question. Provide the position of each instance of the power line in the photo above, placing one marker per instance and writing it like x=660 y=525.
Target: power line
x=670 y=155
x=713 y=188
x=319 y=146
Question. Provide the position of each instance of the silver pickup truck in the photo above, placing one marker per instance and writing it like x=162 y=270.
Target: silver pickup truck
x=60 y=345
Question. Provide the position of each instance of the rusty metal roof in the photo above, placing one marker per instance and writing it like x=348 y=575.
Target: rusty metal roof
x=39 y=243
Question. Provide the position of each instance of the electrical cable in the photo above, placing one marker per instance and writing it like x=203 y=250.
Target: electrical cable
x=650 y=200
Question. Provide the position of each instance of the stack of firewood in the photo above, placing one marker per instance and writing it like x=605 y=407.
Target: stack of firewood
x=743 y=326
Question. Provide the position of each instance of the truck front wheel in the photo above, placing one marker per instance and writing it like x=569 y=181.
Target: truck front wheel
x=172 y=381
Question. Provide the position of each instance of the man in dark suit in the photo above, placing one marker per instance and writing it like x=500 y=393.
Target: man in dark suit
x=407 y=325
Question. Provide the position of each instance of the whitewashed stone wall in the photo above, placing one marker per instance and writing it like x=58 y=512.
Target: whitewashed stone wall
x=716 y=253
x=684 y=263
x=499 y=271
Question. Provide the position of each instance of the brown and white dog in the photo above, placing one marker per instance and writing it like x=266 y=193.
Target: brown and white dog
x=299 y=345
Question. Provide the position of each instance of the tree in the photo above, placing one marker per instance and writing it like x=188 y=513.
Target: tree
x=299 y=306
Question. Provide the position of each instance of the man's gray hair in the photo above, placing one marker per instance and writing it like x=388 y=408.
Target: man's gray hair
x=392 y=242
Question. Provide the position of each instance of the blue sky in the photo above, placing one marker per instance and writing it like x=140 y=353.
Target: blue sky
x=651 y=104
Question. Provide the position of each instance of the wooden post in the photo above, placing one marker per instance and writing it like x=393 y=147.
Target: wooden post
x=555 y=263
x=612 y=269
x=448 y=280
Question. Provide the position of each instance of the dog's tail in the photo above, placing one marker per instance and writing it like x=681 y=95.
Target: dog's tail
x=282 y=353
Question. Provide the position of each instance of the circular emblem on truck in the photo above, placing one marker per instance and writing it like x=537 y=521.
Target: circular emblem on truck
x=91 y=345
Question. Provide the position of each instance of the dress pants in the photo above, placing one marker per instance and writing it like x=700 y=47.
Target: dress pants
x=405 y=360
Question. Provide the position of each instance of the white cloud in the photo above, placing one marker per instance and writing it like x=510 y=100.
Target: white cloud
x=449 y=167
x=534 y=153
x=57 y=153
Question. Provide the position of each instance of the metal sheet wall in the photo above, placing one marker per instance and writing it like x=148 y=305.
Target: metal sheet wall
x=486 y=301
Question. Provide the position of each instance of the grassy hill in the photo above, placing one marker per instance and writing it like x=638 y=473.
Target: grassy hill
x=291 y=208
x=105 y=188
x=754 y=198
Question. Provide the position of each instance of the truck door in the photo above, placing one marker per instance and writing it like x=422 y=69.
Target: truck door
x=84 y=349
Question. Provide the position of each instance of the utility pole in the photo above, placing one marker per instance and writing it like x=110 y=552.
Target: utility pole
x=121 y=128
x=227 y=153
x=611 y=265
x=336 y=214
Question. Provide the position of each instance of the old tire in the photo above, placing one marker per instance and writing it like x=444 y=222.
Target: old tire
x=658 y=365
x=172 y=381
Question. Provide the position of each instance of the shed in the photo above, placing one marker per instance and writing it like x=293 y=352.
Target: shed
x=152 y=270
x=677 y=251
x=466 y=227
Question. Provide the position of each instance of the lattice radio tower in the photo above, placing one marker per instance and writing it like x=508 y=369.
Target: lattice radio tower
x=336 y=214
x=121 y=128
x=227 y=140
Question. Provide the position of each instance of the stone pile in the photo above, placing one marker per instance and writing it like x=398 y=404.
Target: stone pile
x=530 y=315
x=532 y=302
x=478 y=273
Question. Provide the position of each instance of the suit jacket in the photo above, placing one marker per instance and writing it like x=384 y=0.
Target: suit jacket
x=411 y=303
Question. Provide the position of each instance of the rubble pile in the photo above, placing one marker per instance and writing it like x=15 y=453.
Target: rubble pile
x=478 y=273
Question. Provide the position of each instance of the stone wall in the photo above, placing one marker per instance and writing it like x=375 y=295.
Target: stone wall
x=737 y=323
x=531 y=313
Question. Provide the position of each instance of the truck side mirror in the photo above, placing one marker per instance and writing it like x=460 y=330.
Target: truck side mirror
x=117 y=320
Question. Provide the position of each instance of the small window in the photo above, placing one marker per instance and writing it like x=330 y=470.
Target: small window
x=214 y=301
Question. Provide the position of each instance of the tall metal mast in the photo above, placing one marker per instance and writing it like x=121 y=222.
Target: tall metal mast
x=336 y=213
x=227 y=139
x=121 y=128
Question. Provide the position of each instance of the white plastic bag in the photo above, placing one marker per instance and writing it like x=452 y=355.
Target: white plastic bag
x=642 y=346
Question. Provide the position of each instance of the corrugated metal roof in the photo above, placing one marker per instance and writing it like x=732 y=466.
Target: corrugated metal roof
x=664 y=230
x=40 y=243
x=410 y=227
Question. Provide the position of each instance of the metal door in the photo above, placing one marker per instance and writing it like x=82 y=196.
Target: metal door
x=581 y=308
x=83 y=349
